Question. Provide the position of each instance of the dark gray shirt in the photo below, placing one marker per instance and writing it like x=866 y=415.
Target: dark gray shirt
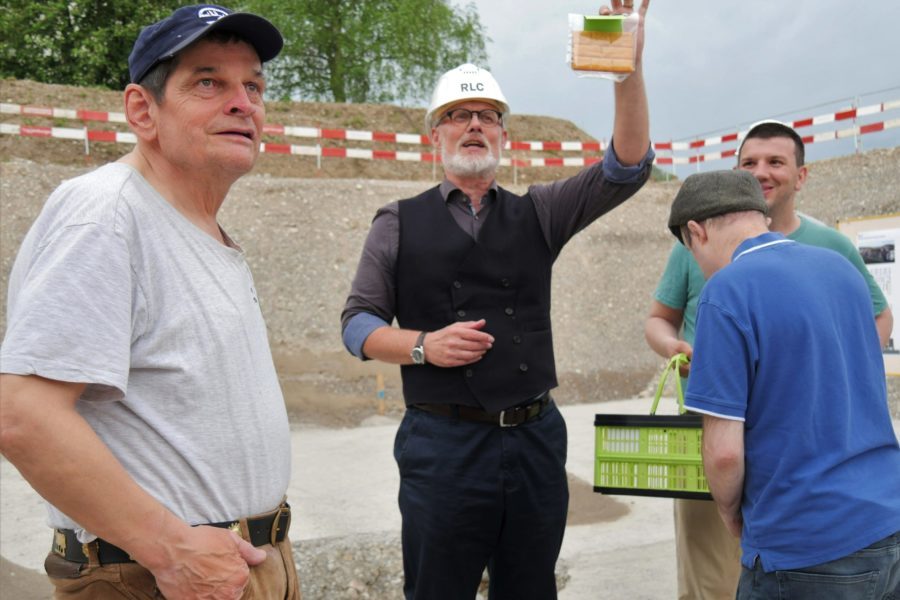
x=564 y=208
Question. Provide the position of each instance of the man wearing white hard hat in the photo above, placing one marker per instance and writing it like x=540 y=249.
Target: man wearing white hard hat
x=465 y=270
x=708 y=556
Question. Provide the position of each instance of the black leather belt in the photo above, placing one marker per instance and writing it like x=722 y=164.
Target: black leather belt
x=511 y=417
x=270 y=528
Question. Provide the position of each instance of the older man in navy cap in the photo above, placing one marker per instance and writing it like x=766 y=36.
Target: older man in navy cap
x=139 y=396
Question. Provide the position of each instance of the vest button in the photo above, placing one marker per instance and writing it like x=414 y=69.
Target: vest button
x=469 y=372
x=517 y=339
x=504 y=282
x=460 y=313
x=457 y=284
x=523 y=367
x=509 y=311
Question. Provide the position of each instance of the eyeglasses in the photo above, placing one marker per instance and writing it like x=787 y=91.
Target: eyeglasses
x=463 y=116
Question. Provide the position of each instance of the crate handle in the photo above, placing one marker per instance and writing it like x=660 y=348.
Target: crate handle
x=673 y=365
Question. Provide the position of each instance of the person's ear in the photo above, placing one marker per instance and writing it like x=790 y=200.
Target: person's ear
x=801 y=178
x=436 y=140
x=140 y=111
x=698 y=232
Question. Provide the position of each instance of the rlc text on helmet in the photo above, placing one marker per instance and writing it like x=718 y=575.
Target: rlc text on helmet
x=471 y=87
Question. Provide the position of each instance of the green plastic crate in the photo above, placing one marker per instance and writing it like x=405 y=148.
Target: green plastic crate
x=651 y=455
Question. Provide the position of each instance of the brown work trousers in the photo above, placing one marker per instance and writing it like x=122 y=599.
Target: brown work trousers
x=708 y=556
x=274 y=579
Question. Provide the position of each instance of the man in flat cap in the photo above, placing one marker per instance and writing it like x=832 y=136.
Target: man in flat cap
x=798 y=447
x=139 y=397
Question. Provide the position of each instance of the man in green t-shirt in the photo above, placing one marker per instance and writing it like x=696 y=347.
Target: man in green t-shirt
x=708 y=556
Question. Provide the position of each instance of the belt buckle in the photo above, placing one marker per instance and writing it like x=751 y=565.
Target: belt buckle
x=503 y=416
x=283 y=509
x=59 y=542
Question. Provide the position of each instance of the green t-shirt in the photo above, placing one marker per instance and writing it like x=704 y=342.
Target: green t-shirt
x=680 y=286
x=816 y=233
x=681 y=282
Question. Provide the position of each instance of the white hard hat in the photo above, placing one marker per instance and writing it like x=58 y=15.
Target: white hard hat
x=465 y=82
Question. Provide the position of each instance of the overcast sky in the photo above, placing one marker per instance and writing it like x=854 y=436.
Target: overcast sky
x=711 y=66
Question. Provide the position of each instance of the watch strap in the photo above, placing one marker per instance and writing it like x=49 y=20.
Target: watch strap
x=419 y=349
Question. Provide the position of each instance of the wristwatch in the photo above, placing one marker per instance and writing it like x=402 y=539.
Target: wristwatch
x=418 y=351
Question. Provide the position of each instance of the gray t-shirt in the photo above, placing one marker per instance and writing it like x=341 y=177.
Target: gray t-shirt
x=114 y=287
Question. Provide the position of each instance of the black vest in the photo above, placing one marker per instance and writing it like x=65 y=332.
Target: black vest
x=443 y=275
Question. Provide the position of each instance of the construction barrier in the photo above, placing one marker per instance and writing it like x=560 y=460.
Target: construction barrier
x=315 y=151
x=695 y=144
x=302 y=132
x=666 y=150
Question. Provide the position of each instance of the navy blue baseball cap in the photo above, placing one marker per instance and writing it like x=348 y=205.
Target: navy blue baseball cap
x=164 y=39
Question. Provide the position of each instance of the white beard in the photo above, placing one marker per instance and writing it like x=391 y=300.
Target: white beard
x=471 y=166
x=462 y=165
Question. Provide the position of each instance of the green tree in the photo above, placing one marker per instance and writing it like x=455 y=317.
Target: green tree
x=76 y=42
x=368 y=50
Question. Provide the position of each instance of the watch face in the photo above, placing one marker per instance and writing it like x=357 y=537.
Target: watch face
x=418 y=355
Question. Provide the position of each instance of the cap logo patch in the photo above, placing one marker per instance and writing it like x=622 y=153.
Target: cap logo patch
x=211 y=14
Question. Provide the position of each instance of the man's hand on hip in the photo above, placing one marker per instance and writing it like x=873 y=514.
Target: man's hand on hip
x=207 y=563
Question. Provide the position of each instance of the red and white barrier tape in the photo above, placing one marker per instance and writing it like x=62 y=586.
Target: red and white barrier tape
x=413 y=138
x=64 y=133
x=841 y=115
x=340 y=152
x=364 y=154
x=557 y=146
x=62 y=113
x=348 y=134
x=825 y=136
x=303 y=132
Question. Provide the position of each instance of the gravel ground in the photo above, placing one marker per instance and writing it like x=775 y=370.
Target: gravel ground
x=368 y=566
x=303 y=238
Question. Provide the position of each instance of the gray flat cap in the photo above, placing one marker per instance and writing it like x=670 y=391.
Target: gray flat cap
x=705 y=195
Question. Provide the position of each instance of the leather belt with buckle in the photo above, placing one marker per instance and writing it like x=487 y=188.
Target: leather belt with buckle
x=510 y=417
x=270 y=528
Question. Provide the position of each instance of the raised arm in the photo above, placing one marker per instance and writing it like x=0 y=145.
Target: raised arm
x=631 y=130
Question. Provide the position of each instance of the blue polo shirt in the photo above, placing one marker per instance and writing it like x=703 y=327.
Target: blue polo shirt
x=786 y=343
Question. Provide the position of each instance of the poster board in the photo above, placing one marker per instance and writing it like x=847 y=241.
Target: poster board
x=878 y=239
